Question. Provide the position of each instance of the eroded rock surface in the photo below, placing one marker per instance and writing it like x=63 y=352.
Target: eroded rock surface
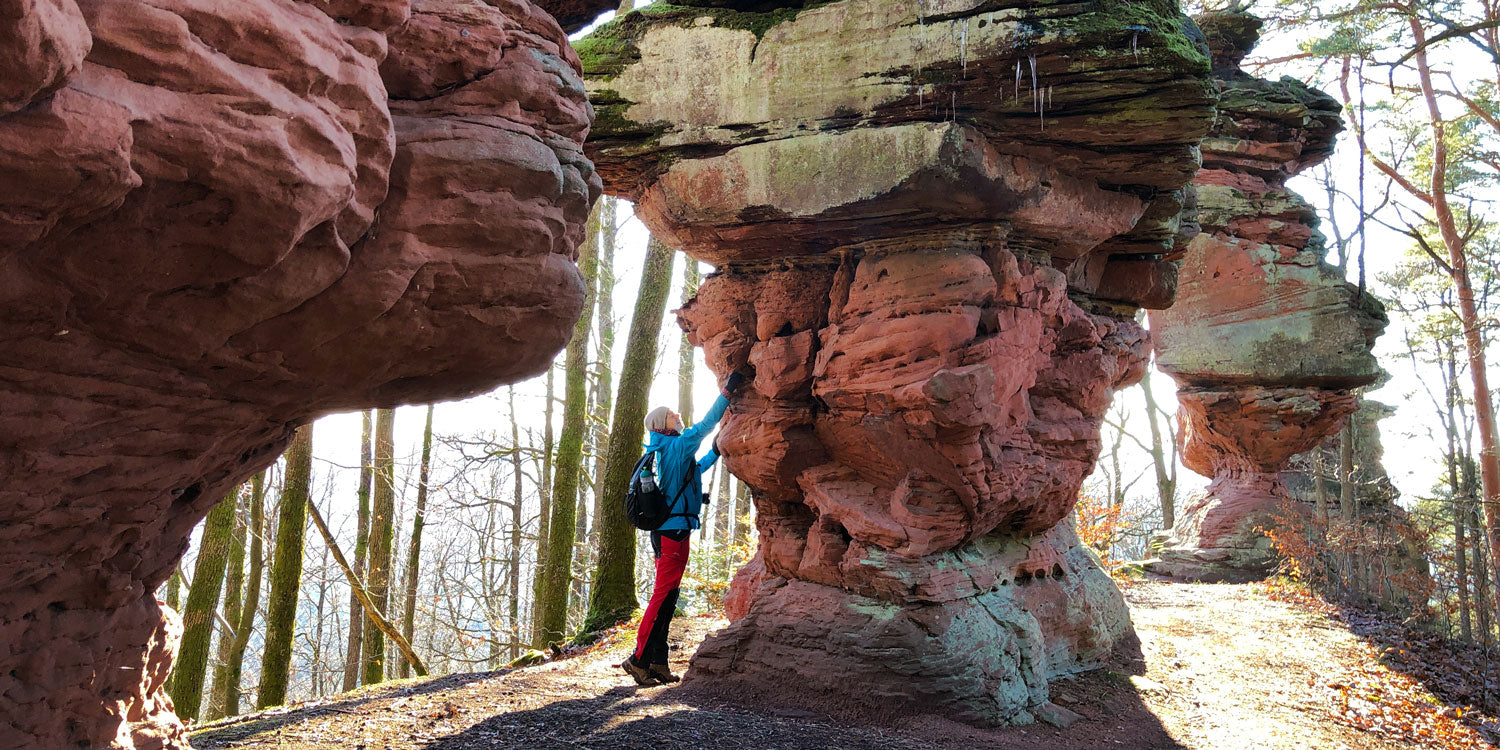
x=217 y=220
x=933 y=225
x=1266 y=340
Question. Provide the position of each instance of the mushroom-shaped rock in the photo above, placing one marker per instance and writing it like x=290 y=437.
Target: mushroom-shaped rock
x=934 y=224
x=1265 y=339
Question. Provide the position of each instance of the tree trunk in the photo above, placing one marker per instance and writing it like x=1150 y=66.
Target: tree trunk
x=286 y=571
x=742 y=521
x=1320 y=487
x=1468 y=313
x=414 y=548
x=315 y=662
x=1456 y=496
x=557 y=569
x=234 y=584
x=174 y=591
x=377 y=620
x=1484 y=616
x=544 y=514
x=613 y=597
x=382 y=533
x=723 y=509
x=515 y=529
x=361 y=551
x=1347 y=510
x=691 y=277
x=604 y=377
x=1166 y=486
x=202 y=601
x=226 y=691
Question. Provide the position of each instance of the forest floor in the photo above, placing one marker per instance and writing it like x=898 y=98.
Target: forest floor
x=1225 y=666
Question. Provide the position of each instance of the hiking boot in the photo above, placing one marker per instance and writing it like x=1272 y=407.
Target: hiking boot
x=664 y=673
x=641 y=675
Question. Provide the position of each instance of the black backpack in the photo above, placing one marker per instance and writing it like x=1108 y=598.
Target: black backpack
x=646 y=505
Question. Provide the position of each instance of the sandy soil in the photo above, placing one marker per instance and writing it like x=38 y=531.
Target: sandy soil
x=1224 y=667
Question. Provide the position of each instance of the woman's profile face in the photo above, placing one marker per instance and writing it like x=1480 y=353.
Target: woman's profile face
x=674 y=422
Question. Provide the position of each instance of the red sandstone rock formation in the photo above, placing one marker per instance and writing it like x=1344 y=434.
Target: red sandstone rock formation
x=219 y=219
x=932 y=237
x=1265 y=339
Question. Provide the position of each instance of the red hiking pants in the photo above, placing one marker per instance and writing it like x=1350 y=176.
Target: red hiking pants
x=671 y=548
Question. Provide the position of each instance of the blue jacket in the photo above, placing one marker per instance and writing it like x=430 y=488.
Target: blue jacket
x=679 y=472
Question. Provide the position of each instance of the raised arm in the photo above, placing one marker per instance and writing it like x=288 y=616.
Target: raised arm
x=697 y=432
x=707 y=462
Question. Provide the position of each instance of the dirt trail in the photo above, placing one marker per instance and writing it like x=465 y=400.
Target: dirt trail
x=1225 y=667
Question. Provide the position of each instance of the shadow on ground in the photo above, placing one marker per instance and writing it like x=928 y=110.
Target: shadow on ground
x=624 y=716
x=1465 y=674
x=231 y=731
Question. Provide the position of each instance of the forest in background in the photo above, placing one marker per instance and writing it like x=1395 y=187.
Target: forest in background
x=482 y=544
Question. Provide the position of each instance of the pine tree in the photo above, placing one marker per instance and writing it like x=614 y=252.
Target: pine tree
x=557 y=568
x=414 y=548
x=361 y=551
x=382 y=533
x=198 y=616
x=286 y=571
x=613 y=597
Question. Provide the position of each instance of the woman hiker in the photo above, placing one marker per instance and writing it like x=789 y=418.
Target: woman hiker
x=679 y=473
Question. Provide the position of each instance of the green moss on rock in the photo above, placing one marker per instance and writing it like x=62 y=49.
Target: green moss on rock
x=612 y=47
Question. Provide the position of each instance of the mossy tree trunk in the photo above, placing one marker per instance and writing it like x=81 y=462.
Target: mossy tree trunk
x=234 y=584
x=361 y=550
x=613 y=596
x=382 y=533
x=198 y=616
x=414 y=549
x=556 y=570
x=174 y=590
x=601 y=392
x=226 y=690
x=286 y=571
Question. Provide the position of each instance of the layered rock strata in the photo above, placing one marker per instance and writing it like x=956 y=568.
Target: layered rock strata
x=217 y=220
x=1266 y=340
x=933 y=225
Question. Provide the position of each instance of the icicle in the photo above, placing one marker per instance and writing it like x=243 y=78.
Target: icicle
x=953 y=107
x=1134 y=49
x=1018 y=81
x=1032 y=59
x=963 y=48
